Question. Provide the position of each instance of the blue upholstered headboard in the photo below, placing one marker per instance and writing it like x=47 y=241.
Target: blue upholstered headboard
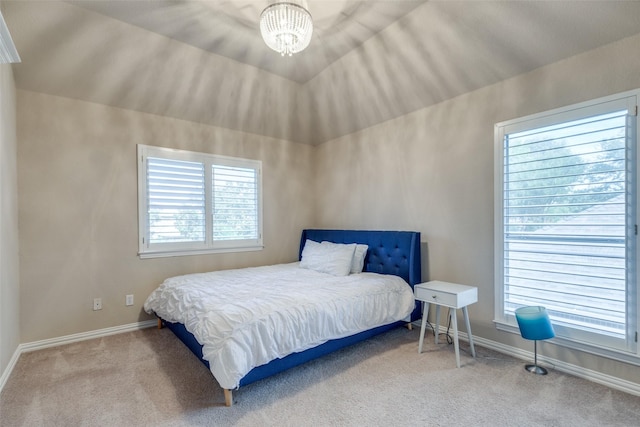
x=390 y=252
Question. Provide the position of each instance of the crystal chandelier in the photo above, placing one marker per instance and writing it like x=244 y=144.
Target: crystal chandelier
x=286 y=27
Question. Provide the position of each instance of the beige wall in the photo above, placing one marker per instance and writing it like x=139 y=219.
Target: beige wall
x=432 y=171
x=78 y=209
x=9 y=272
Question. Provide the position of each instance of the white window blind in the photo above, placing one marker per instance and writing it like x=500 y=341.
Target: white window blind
x=176 y=201
x=568 y=221
x=197 y=203
x=235 y=203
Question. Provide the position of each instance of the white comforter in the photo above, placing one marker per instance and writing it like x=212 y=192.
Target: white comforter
x=245 y=318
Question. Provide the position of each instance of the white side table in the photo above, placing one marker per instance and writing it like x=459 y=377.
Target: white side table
x=453 y=296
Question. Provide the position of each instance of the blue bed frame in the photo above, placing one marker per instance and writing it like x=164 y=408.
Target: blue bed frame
x=390 y=252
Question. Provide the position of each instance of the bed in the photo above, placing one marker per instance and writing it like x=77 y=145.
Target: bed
x=240 y=340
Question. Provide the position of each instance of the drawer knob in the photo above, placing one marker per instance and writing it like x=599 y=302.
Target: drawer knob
x=433 y=296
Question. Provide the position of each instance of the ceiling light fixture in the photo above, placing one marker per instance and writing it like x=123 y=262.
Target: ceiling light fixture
x=286 y=27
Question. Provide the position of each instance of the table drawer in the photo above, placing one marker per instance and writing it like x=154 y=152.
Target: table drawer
x=439 y=297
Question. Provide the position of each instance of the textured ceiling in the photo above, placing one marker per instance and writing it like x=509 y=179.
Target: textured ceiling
x=369 y=61
x=231 y=28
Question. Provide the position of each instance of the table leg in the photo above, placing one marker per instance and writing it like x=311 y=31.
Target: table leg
x=468 y=326
x=425 y=314
x=454 y=323
x=437 y=330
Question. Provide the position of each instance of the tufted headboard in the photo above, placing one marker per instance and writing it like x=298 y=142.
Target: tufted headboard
x=390 y=252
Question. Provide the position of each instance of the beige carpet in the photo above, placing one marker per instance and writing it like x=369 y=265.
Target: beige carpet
x=148 y=378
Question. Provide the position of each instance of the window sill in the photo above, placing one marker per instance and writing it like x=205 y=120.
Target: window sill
x=176 y=253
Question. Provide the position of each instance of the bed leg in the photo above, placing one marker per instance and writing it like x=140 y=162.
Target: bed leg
x=228 y=397
x=410 y=326
x=159 y=323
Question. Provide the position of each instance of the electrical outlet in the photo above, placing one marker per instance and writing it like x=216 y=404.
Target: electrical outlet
x=97 y=304
x=129 y=300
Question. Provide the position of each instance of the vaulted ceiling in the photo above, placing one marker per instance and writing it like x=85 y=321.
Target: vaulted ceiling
x=368 y=61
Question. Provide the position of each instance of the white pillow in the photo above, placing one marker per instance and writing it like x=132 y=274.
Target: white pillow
x=357 y=264
x=327 y=257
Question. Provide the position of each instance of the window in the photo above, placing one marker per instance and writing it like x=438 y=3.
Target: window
x=566 y=223
x=194 y=203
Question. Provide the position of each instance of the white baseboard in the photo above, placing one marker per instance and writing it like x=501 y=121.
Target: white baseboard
x=568 y=368
x=68 y=339
x=9 y=368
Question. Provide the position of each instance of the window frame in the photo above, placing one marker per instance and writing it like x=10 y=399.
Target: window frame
x=209 y=246
x=567 y=337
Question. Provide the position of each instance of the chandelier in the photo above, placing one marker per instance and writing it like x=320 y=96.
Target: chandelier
x=286 y=27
